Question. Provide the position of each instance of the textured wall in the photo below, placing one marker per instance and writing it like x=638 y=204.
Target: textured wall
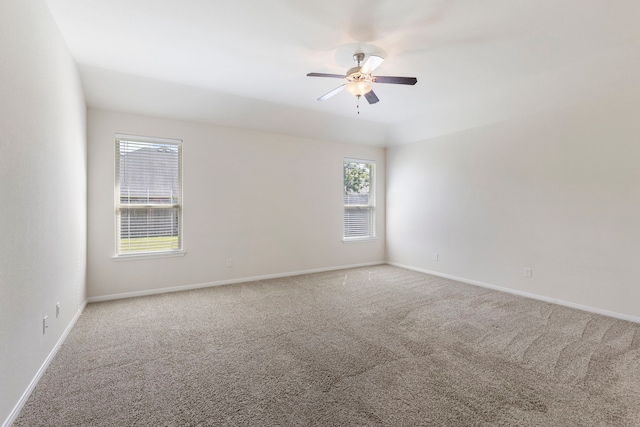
x=558 y=192
x=272 y=203
x=43 y=193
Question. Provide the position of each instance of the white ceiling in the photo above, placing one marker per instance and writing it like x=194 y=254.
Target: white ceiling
x=244 y=62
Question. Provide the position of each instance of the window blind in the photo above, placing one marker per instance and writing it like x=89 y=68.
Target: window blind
x=148 y=195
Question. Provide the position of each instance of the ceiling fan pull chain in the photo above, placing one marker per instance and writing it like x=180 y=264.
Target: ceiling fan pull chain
x=358 y=104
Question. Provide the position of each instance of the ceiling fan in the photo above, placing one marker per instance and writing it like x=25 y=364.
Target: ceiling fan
x=359 y=79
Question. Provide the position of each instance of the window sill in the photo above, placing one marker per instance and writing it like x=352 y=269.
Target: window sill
x=359 y=239
x=131 y=257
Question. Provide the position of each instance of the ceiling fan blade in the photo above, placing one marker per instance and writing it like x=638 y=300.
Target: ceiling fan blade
x=395 y=80
x=371 y=64
x=371 y=97
x=330 y=94
x=335 y=76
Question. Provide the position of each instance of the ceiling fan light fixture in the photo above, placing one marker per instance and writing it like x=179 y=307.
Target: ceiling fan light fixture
x=358 y=88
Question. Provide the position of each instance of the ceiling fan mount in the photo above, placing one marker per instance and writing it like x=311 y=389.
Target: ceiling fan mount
x=359 y=79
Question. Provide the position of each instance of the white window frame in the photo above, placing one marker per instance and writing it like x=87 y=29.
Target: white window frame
x=370 y=206
x=119 y=208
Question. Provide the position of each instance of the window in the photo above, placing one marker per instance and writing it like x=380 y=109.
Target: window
x=359 y=200
x=148 y=195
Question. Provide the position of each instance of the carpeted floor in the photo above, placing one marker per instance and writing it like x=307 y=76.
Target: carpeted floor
x=362 y=347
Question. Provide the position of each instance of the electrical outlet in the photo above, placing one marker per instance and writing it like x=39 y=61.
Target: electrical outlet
x=528 y=272
x=57 y=310
x=229 y=262
x=45 y=324
x=434 y=257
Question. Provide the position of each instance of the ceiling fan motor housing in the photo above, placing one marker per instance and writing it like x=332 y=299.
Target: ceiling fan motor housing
x=355 y=75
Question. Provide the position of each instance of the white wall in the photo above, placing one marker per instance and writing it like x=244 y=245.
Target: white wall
x=43 y=193
x=558 y=192
x=272 y=203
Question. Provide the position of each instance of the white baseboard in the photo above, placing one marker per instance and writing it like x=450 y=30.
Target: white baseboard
x=523 y=294
x=25 y=396
x=223 y=282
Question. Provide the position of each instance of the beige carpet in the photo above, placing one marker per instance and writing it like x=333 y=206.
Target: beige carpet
x=361 y=347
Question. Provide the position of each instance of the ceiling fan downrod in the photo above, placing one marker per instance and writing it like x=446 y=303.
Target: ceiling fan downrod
x=358 y=57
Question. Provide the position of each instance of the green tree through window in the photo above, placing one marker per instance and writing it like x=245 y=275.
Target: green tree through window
x=357 y=178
